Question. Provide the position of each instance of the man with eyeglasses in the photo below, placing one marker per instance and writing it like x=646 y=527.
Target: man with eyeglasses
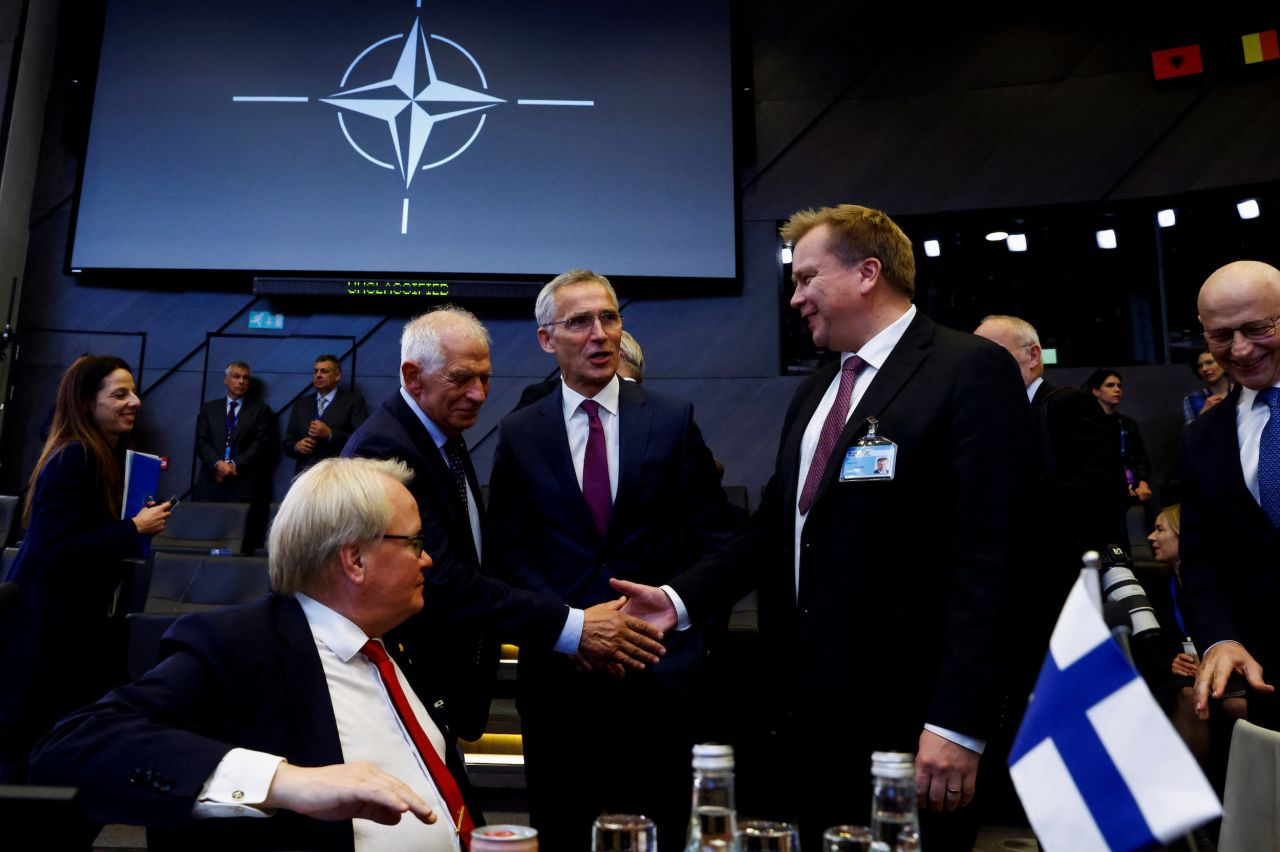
x=444 y=381
x=290 y=722
x=602 y=478
x=1230 y=471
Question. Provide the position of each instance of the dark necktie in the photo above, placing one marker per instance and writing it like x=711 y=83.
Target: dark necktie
x=1269 y=458
x=831 y=430
x=595 y=469
x=454 y=450
x=231 y=426
x=458 y=814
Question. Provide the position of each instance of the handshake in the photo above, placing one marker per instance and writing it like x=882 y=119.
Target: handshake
x=626 y=632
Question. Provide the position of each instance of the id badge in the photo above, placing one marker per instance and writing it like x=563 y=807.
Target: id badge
x=871 y=457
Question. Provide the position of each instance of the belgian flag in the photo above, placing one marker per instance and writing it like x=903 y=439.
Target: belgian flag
x=1260 y=47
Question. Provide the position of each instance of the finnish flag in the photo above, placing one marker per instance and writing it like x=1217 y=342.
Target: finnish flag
x=1096 y=763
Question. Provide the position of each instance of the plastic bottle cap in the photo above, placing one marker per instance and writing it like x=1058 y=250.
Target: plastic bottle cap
x=712 y=756
x=893 y=764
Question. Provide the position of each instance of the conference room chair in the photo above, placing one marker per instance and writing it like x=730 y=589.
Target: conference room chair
x=203 y=528
x=188 y=582
x=1251 y=803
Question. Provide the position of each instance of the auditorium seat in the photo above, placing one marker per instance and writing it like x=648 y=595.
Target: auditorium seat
x=188 y=582
x=1251 y=803
x=204 y=527
x=8 y=514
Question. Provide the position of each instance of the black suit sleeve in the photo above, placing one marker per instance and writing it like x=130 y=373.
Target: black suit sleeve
x=253 y=452
x=143 y=752
x=357 y=413
x=299 y=420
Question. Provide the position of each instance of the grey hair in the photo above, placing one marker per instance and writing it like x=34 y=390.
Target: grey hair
x=1025 y=331
x=241 y=364
x=420 y=340
x=337 y=501
x=631 y=353
x=544 y=310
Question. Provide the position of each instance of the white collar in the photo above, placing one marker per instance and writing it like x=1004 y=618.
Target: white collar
x=876 y=350
x=430 y=425
x=607 y=397
x=332 y=628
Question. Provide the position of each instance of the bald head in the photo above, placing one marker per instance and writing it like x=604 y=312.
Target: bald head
x=1019 y=338
x=1238 y=306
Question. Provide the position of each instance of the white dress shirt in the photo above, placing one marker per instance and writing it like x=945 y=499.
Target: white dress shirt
x=368 y=729
x=1033 y=387
x=328 y=400
x=577 y=424
x=1252 y=415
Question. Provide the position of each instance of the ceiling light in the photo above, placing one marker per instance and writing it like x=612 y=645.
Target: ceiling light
x=786 y=255
x=1106 y=239
x=997 y=236
x=1167 y=218
x=931 y=248
x=1016 y=242
x=1249 y=209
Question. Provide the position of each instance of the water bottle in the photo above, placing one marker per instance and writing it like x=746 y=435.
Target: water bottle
x=713 y=822
x=893 y=797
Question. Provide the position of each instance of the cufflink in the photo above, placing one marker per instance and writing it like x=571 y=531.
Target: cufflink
x=238 y=795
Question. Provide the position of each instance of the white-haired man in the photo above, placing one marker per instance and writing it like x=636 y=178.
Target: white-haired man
x=444 y=378
x=286 y=713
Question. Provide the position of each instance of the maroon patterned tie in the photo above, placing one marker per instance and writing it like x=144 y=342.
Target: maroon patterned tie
x=831 y=430
x=595 y=469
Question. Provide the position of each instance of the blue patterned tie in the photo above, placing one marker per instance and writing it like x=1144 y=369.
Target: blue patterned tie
x=1269 y=458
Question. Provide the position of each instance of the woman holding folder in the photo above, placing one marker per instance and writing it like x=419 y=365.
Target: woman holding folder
x=59 y=649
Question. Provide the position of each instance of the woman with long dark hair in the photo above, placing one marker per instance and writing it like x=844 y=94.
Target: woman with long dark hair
x=59 y=647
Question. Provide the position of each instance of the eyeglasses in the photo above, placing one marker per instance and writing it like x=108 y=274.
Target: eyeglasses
x=1256 y=330
x=578 y=323
x=416 y=542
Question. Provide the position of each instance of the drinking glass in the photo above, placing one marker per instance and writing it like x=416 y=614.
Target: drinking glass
x=761 y=836
x=847 y=838
x=624 y=833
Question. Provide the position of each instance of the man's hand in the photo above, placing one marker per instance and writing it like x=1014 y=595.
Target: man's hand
x=1185 y=665
x=612 y=636
x=1142 y=491
x=1223 y=659
x=614 y=670
x=1211 y=402
x=946 y=773
x=222 y=469
x=305 y=447
x=647 y=602
x=345 y=791
x=319 y=430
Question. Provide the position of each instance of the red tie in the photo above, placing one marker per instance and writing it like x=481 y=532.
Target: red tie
x=444 y=782
x=831 y=430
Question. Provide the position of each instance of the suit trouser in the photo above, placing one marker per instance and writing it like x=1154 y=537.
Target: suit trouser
x=593 y=746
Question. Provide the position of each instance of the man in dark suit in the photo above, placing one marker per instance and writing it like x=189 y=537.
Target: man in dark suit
x=602 y=478
x=233 y=442
x=444 y=374
x=288 y=703
x=881 y=600
x=1230 y=472
x=321 y=423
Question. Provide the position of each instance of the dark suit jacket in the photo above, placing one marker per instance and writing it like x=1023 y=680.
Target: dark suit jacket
x=250 y=449
x=447 y=636
x=343 y=415
x=58 y=648
x=902 y=581
x=670 y=509
x=247 y=676
x=1230 y=552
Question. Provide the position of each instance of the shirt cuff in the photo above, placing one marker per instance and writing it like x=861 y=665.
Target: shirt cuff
x=971 y=743
x=682 y=614
x=571 y=634
x=238 y=785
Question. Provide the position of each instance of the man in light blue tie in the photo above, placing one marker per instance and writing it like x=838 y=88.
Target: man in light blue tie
x=1230 y=468
x=322 y=421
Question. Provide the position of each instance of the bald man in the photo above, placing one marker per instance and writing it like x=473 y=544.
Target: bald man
x=1230 y=469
